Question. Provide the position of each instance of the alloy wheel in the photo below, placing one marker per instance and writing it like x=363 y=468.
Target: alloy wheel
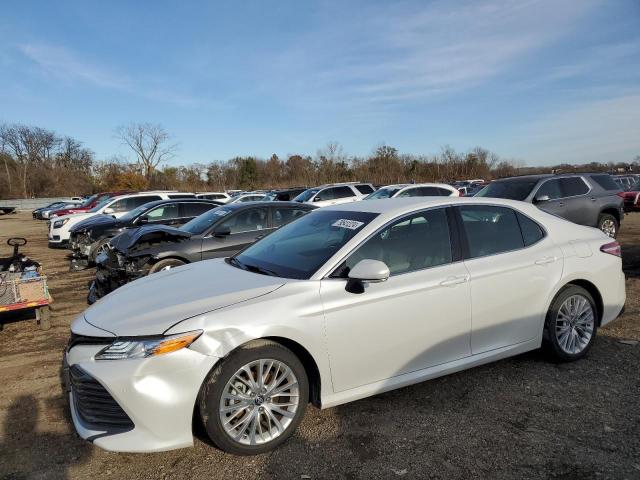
x=575 y=323
x=609 y=227
x=259 y=402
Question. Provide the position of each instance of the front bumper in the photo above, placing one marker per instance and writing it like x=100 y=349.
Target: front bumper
x=157 y=394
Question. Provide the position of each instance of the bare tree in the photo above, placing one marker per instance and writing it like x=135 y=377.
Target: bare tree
x=29 y=146
x=150 y=144
x=5 y=157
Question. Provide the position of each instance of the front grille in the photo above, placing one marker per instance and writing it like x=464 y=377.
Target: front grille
x=95 y=406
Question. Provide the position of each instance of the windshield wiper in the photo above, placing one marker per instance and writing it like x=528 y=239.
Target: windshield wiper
x=263 y=271
x=237 y=263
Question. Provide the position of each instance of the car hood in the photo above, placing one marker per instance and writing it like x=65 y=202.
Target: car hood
x=103 y=221
x=153 y=304
x=129 y=238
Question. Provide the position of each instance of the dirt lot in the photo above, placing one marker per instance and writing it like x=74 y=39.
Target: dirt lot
x=523 y=417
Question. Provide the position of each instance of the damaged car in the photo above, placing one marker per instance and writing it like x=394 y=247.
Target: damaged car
x=218 y=233
x=88 y=237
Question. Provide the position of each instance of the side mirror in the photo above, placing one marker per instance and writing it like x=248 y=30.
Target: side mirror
x=142 y=220
x=366 y=271
x=108 y=211
x=542 y=198
x=317 y=198
x=222 y=232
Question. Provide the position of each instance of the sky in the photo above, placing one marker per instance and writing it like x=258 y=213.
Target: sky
x=538 y=81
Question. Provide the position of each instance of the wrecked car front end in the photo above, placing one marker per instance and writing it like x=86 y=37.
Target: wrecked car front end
x=129 y=256
x=80 y=245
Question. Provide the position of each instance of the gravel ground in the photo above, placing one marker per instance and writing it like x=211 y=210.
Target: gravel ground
x=524 y=417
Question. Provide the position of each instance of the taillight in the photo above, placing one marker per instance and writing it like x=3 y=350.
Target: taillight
x=612 y=248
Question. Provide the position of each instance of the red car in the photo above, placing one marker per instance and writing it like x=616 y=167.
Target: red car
x=88 y=205
x=631 y=198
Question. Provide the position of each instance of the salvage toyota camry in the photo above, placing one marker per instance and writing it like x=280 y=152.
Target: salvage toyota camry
x=346 y=302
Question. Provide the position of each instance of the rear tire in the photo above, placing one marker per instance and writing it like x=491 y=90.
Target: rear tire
x=249 y=415
x=166 y=264
x=608 y=224
x=571 y=324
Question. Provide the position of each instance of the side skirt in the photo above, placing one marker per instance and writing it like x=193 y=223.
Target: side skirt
x=429 y=373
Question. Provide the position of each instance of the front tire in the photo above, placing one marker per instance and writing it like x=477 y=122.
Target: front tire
x=608 y=224
x=255 y=399
x=166 y=264
x=571 y=324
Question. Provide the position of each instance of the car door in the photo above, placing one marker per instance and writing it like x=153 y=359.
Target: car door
x=549 y=198
x=513 y=267
x=419 y=317
x=578 y=206
x=245 y=226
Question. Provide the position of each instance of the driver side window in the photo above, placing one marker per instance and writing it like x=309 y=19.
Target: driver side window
x=412 y=243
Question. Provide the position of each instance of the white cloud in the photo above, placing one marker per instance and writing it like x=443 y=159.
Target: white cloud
x=67 y=67
x=398 y=53
x=598 y=131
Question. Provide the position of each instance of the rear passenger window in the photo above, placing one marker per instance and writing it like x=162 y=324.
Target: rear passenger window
x=444 y=192
x=194 y=209
x=282 y=216
x=573 y=186
x=490 y=230
x=181 y=195
x=605 y=181
x=365 y=189
x=413 y=243
x=531 y=231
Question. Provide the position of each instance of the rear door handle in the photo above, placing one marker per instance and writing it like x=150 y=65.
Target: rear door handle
x=545 y=260
x=451 y=281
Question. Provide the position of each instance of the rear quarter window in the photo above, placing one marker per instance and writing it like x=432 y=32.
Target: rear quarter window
x=606 y=182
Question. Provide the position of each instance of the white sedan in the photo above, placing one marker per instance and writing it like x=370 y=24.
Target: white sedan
x=344 y=303
x=402 y=190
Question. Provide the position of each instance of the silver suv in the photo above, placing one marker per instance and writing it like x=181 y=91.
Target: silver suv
x=586 y=198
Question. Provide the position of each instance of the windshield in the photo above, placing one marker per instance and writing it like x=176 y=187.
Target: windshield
x=299 y=248
x=509 y=189
x=89 y=200
x=306 y=195
x=100 y=205
x=385 y=192
x=201 y=223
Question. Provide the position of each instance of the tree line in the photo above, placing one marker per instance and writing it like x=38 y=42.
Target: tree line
x=36 y=162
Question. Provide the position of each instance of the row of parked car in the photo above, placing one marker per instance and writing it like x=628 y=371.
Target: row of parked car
x=130 y=235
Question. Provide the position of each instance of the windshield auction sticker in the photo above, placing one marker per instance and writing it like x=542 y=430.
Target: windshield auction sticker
x=350 y=224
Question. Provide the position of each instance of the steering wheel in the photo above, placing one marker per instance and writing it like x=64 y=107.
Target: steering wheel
x=17 y=241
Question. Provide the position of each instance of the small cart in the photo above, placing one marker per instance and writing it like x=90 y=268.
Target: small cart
x=23 y=285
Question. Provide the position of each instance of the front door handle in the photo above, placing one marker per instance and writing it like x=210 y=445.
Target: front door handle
x=451 y=281
x=545 y=260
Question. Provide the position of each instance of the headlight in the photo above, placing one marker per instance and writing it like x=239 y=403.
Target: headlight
x=122 y=349
x=59 y=223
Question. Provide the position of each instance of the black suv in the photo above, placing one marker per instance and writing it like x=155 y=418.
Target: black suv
x=585 y=198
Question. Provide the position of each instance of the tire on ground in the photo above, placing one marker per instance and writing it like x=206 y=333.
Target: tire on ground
x=551 y=342
x=215 y=382
x=165 y=264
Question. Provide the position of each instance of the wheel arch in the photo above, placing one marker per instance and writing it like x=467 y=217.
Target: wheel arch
x=309 y=363
x=589 y=287
x=612 y=211
x=168 y=256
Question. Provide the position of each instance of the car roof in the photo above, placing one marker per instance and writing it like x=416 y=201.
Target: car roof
x=237 y=206
x=425 y=184
x=155 y=203
x=397 y=206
